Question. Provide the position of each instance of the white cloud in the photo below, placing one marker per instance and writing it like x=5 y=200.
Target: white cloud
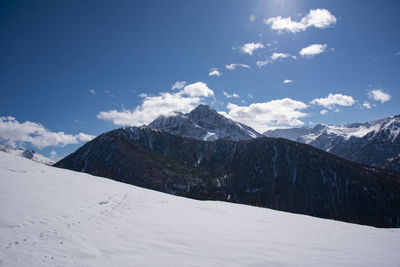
x=262 y=63
x=214 y=72
x=379 y=95
x=178 y=85
x=288 y=81
x=323 y=112
x=250 y=47
x=93 y=92
x=318 y=18
x=227 y=95
x=273 y=57
x=285 y=24
x=184 y=100
x=276 y=56
x=268 y=115
x=198 y=89
x=15 y=133
x=366 y=104
x=234 y=66
x=313 y=50
x=332 y=101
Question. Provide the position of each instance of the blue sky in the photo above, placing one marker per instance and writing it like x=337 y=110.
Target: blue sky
x=86 y=67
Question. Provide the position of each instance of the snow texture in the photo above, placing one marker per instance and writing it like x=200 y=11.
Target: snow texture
x=57 y=217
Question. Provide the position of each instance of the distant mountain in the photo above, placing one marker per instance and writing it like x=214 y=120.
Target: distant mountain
x=267 y=172
x=375 y=143
x=203 y=123
x=27 y=153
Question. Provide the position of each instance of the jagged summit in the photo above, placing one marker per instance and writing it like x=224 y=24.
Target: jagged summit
x=375 y=143
x=203 y=123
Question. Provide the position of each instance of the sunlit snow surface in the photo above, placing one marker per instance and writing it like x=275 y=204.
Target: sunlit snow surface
x=55 y=217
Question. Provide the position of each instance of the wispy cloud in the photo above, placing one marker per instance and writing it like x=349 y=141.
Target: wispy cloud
x=249 y=48
x=331 y=101
x=268 y=115
x=14 y=134
x=184 y=100
x=227 y=95
x=214 y=72
x=313 y=50
x=318 y=18
x=288 y=81
x=379 y=95
x=323 y=112
x=178 y=85
x=108 y=92
x=272 y=58
x=93 y=92
x=261 y=63
x=276 y=56
x=367 y=105
x=234 y=66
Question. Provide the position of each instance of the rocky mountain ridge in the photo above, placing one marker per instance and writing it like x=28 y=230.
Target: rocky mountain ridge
x=375 y=143
x=266 y=172
x=203 y=123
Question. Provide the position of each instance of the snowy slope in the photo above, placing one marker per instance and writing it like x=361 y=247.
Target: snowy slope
x=29 y=154
x=56 y=217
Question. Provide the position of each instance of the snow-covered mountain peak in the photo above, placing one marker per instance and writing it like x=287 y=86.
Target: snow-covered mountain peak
x=372 y=143
x=203 y=123
x=204 y=111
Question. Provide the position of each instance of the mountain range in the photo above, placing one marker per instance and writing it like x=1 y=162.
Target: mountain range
x=268 y=172
x=28 y=154
x=374 y=143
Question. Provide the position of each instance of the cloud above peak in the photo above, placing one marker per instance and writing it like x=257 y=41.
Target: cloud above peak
x=184 y=100
x=198 y=89
x=318 y=18
x=269 y=115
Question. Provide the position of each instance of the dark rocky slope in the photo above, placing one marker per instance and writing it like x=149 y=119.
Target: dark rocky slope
x=267 y=172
